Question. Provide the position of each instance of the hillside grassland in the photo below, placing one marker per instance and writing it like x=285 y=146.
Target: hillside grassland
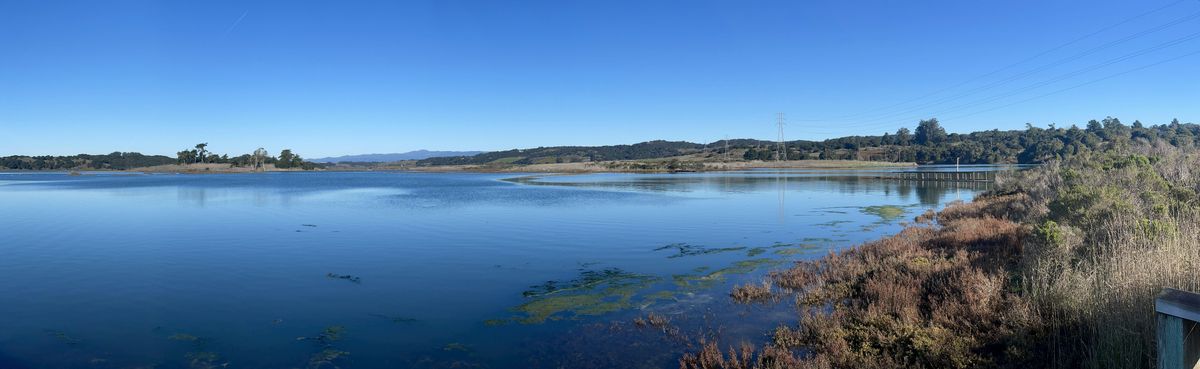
x=1057 y=267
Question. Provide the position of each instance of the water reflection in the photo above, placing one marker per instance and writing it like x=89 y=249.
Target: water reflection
x=927 y=192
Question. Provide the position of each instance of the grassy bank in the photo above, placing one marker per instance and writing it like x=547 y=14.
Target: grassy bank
x=1057 y=267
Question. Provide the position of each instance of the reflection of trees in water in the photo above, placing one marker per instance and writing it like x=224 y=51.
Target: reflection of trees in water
x=200 y=196
x=197 y=196
x=927 y=192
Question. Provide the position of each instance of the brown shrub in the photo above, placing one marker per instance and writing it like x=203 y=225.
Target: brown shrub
x=1058 y=267
x=751 y=292
x=932 y=295
x=747 y=357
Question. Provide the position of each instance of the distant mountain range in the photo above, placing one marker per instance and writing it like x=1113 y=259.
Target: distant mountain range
x=387 y=158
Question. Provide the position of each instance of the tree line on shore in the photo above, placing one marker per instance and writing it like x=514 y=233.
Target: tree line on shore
x=928 y=143
x=130 y=160
x=258 y=159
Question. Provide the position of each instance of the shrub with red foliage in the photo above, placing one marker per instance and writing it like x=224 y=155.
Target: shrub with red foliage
x=933 y=295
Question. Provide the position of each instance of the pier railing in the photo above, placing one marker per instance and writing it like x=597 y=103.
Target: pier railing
x=972 y=176
x=1178 y=341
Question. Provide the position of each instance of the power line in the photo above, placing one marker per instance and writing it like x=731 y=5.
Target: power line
x=1090 y=82
x=1028 y=59
x=1058 y=78
x=892 y=116
x=1114 y=75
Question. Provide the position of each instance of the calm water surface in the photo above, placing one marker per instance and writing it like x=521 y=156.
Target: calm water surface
x=389 y=269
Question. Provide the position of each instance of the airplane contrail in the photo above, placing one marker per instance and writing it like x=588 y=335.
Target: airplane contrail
x=236 y=23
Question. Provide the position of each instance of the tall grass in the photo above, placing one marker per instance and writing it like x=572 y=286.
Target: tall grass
x=1111 y=230
x=1058 y=267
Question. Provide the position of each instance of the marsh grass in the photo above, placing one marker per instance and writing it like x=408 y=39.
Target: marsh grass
x=753 y=293
x=1116 y=229
x=1057 y=267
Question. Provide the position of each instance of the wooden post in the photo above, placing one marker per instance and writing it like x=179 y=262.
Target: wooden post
x=1177 y=314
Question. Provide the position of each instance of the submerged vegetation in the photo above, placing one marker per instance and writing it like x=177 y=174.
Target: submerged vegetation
x=329 y=355
x=595 y=292
x=692 y=250
x=346 y=277
x=602 y=291
x=1057 y=267
x=62 y=336
x=886 y=213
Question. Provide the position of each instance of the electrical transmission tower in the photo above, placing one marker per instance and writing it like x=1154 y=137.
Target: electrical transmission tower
x=781 y=150
x=727 y=148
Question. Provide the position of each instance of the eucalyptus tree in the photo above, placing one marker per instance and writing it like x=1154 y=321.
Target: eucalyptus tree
x=260 y=157
x=201 y=150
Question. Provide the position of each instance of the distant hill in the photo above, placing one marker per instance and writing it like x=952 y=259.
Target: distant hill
x=387 y=158
x=571 y=154
x=929 y=143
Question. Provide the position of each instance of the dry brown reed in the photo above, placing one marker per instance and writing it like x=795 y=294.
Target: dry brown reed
x=753 y=293
x=1058 y=267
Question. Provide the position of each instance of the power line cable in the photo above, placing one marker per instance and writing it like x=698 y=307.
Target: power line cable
x=1023 y=61
x=889 y=116
x=1059 y=78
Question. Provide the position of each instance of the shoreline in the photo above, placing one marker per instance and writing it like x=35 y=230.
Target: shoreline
x=656 y=166
x=561 y=168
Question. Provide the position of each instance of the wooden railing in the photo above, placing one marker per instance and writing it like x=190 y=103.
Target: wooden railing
x=1178 y=341
x=973 y=176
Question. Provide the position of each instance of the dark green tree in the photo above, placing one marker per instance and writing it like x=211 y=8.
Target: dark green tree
x=930 y=133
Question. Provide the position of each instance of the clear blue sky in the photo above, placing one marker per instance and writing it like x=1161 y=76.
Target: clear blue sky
x=332 y=77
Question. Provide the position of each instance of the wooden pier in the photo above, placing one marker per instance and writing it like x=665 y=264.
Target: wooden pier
x=972 y=176
x=1178 y=316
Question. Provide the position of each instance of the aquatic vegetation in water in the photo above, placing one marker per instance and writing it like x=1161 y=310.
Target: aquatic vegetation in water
x=62 y=337
x=496 y=322
x=760 y=250
x=327 y=336
x=660 y=295
x=329 y=354
x=455 y=346
x=751 y=292
x=594 y=292
x=183 y=337
x=597 y=292
x=793 y=251
x=395 y=319
x=693 y=282
x=652 y=320
x=685 y=249
x=344 y=276
x=588 y=279
x=326 y=358
x=886 y=213
x=833 y=223
x=826 y=211
x=204 y=360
